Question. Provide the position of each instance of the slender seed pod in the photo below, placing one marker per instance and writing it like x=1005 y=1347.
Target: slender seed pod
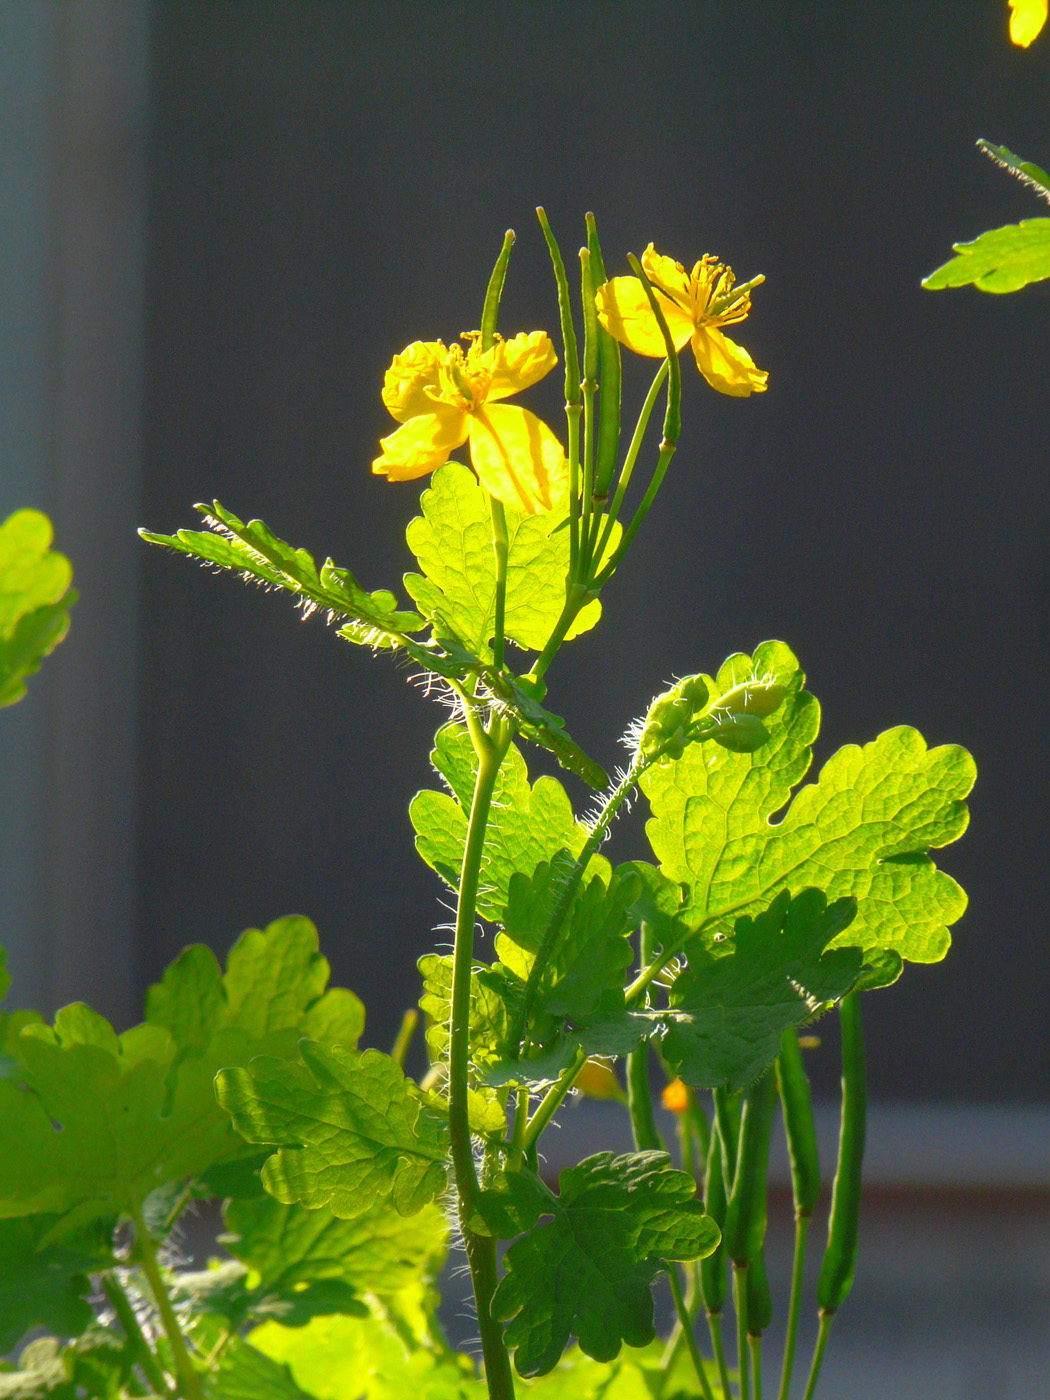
x=568 y=331
x=746 y=1209
x=727 y=1116
x=759 y=1298
x=609 y=380
x=713 y=1268
x=673 y=416
x=840 y=1256
x=490 y=314
x=590 y=319
x=799 y=1127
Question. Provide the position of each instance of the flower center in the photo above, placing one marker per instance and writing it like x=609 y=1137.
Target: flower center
x=715 y=297
x=463 y=380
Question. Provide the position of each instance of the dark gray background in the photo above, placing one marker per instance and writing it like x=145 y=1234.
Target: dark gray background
x=326 y=182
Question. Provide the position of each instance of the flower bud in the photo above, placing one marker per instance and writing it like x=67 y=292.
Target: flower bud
x=740 y=733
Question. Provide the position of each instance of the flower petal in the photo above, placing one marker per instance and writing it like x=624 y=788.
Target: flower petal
x=670 y=276
x=410 y=375
x=422 y=444
x=515 y=364
x=518 y=459
x=624 y=311
x=1026 y=20
x=725 y=365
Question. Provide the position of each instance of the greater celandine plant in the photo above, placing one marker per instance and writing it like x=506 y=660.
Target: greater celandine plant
x=761 y=909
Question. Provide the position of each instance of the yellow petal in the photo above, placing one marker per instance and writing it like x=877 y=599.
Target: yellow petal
x=670 y=276
x=515 y=364
x=1027 y=18
x=624 y=311
x=518 y=459
x=725 y=365
x=422 y=444
x=410 y=375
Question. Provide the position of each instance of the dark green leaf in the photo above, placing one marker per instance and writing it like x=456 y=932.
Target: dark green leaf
x=46 y=1284
x=617 y=1222
x=730 y=1007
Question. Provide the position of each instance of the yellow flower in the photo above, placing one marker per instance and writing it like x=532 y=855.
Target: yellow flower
x=676 y=1096
x=1026 y=20
x=695 y=305
x=443 y=396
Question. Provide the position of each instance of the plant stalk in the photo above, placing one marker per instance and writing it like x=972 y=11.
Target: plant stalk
x=189 y=1382
x=795 y=1305
x=140 y=1348
x=480 y=1249
x=686 y=1324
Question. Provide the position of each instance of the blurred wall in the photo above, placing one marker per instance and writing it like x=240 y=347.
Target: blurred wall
x=72 y=135
x=328 y=181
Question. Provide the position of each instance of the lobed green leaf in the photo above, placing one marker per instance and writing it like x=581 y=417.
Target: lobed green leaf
x=1001 y=260
x=349 y=1129
x=617 y=1222
x=529 y=825
x=254 y=551
x=862 y=829
x=35 y=599
x=730 y=1008
x=452 y=540
x=44 y=1282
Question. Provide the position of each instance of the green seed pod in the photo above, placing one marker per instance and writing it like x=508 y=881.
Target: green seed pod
x=840 y=1256
x=746 y=1209
x=740 y=733
x=713 y=1268
x=799 y=1127
x=759 y=1298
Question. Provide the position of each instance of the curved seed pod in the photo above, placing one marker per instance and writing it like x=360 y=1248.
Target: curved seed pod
x=490 y=314
x=799 y=1127
x=713 y=1268
x=609 y=375
x=840 y=1256
x=746 y=1209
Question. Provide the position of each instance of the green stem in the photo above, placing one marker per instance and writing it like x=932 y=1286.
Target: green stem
x=500 y=547
x=714 y=1326
x=578 y=594
x=137 y=1344
x=667 y=451
x=480 y=1249
x=818 y=1354
x=409 y=1021
x=190 y=1387
x=754 y=1345
x=632 y=457
x=552 y=1101
x=549 y=941
x=639 y=1092
x=740 y=1305
x=686 y=1324
x=588 y=385
x=795 y=1306
x=728 y=1130
x=572 y=419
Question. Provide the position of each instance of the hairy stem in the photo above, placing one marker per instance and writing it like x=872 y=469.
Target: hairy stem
x=136 y=1338
x=189 y=1382
x=481 y=1250
x=572 y=883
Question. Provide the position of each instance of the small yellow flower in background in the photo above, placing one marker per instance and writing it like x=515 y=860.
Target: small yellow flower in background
x=695 y=305
x=676 y=1096
x=443 y=396
x=598 y=1081
x=1027 y=18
